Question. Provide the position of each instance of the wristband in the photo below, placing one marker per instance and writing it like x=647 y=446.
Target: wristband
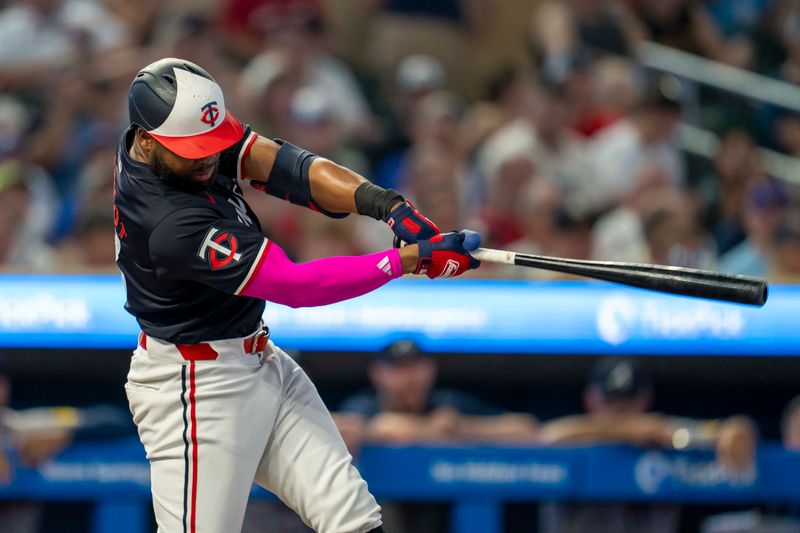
x=374 y=201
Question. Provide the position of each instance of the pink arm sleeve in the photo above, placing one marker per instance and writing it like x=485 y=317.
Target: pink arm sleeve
x=325 y=281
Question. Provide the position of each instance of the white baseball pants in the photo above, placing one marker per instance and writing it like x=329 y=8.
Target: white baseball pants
x=212 y=427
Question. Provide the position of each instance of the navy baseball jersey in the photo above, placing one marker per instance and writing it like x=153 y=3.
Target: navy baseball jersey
x=186 y=250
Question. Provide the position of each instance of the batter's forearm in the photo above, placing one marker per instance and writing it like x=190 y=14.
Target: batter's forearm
x=333 y=186
x=325 y=281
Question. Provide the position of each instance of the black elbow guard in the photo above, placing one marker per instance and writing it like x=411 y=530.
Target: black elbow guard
x=289 y=179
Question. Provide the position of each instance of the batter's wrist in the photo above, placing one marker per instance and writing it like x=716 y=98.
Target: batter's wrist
x=409 y=255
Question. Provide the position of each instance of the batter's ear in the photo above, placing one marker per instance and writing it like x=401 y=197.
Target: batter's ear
x=145 y=141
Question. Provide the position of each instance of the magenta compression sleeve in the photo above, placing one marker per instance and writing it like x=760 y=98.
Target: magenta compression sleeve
x=325 y=281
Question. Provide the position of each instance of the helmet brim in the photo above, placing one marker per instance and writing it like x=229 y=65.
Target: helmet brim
x=229 y=132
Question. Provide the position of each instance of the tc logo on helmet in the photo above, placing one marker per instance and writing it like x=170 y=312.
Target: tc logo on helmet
x=221 y=248
x=210 y=113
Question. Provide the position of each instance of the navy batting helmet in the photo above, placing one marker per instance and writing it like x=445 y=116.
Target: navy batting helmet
x=181 y=105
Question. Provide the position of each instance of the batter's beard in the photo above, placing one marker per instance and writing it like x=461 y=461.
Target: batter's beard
x=159 y=167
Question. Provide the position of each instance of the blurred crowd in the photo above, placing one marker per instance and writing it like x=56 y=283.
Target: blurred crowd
x=529 y=120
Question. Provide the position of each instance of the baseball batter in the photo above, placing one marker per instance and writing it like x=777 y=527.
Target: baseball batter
x=216 y=403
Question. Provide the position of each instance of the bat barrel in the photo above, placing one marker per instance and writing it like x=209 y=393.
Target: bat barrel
x=673 y=280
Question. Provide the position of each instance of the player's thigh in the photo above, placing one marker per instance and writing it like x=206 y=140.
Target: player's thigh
x=307 y=465
x=203 y=430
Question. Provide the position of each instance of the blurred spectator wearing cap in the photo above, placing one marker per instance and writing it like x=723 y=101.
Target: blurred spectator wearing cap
x=764 y=209
x=313 y=125
x=416 y=77
x=266 y=86
x=405 y=407
x=617 y=400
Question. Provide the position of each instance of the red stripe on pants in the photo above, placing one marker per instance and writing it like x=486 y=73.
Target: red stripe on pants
x=193 y=411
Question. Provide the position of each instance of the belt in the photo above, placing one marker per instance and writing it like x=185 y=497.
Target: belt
x=255 y=343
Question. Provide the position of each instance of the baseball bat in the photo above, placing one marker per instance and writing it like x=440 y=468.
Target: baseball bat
x=670 y=279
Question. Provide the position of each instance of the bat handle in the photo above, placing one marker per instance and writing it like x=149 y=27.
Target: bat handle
x=493 y=256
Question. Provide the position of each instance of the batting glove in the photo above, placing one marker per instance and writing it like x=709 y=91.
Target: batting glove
x=447 y=255
x=409 y=225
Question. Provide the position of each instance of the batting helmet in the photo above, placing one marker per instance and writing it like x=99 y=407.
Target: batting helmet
x=181 y=105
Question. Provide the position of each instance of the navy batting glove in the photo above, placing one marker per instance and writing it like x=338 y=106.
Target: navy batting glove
x=447 y=255
x=409 y=225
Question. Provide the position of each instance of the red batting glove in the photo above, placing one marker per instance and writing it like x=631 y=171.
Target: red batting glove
x=447 y=255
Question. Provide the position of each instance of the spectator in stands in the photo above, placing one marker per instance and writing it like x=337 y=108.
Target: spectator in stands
x=549 y=229
x=191 y=35
x=432 y=126
x=266 y=87
x=314 y=126
x=26 y=217
x=675 y=237
x=786 y=131
x=785 y=264
x=764 y=209
x=90 y=249
x=628 y=151
x=765 y=520
x=653 y=223
x=687 y=25
x=617 y=400
x=723 y=193
x=416 y=77
x=247 y=25
x=405 y=407
x=607 y=26
x=611 y=94
x=507 y=165
x=14 y=122
x=40 y=35
x=790 y=425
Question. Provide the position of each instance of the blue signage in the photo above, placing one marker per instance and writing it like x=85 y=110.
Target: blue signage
x=472 y=316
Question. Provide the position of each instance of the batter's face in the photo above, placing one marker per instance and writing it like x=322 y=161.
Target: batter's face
x=169 y=165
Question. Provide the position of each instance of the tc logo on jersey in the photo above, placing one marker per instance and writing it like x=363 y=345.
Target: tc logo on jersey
x=210 y=113
x=221 y=248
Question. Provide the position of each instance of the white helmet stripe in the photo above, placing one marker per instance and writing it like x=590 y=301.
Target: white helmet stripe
x=199 y=107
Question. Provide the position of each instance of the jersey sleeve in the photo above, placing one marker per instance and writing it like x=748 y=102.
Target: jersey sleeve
x=231 y=161
x=194 y=244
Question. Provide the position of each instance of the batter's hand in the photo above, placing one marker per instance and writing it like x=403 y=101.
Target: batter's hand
x=447 y=255
x=409 y=225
